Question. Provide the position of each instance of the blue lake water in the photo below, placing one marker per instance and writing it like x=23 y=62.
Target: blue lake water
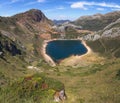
x=61 y=49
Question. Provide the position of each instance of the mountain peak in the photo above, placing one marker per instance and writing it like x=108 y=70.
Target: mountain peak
x=31 y=15
x=34 y=10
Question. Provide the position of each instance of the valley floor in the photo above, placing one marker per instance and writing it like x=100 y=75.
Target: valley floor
x=88 y=78
x=96 y=82
x=93 y=83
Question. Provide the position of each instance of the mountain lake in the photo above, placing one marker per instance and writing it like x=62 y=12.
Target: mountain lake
x=61 y=49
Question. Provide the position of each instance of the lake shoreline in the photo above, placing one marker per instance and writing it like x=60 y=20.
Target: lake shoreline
x=50 y=61
x=46 y=57
x=87 y=47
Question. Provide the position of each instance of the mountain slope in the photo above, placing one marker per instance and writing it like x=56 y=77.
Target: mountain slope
x=106 y=41
x=26 y=28
x=7 y=45
x=19 y=41
x=98 y=21
x=11 y=60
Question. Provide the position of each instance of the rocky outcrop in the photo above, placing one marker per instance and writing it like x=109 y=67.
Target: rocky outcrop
x=91 y=37
x=60 y=96
x=110 y=31
x=65 y=25
x=7 y=45
x=106 y=42
x=63 y=28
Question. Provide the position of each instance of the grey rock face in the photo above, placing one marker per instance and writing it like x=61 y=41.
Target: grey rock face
x=91 y=37
x=113 y=32
x=110 y=31
x=60 y=96
x=64 y=25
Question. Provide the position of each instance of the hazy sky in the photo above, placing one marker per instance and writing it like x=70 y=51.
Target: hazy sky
x=59 y=9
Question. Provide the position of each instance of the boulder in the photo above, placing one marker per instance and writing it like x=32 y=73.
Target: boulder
x=60 y=96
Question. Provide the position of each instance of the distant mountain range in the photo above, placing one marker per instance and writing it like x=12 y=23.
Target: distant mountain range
x=98 y=21
x=59 y=22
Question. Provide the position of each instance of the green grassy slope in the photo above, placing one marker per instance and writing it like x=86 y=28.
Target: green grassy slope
x=18 y=83
x=35 y=89
x=96 y=83
x=106 y=47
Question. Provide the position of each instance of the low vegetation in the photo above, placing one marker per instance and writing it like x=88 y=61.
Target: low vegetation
x=106 y=47
x=97 y=82
x=34 y=88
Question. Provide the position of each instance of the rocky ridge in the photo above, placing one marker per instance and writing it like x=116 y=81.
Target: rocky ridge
x=98 y=21
x=110 y=31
